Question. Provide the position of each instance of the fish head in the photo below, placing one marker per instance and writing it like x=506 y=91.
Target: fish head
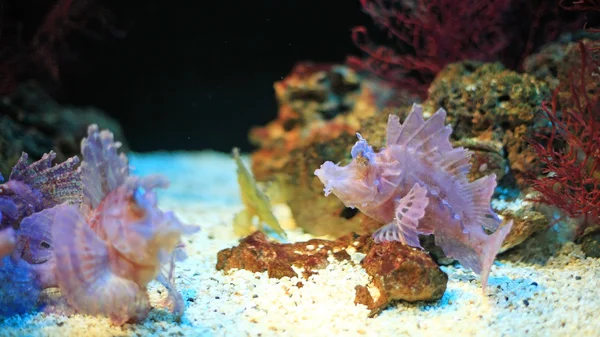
x=369 y=180
x=135 y=226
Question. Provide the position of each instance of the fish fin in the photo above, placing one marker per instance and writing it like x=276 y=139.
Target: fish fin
x=481 y=212
x=35 y=244
x=491 y=249
x=174 y=301
x=409 y=210
x=417 y=133
x=432 y=134
x=84 y=275
x=400 y=134
x=59 y=183
x=389 y=232
x=103 y=168
x=455 y=162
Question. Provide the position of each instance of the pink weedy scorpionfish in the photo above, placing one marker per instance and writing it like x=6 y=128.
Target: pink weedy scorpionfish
x=109 y=249
x=417 y=185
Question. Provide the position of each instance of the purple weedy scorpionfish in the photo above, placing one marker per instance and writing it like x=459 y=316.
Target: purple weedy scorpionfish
x=417 y=185
x=26 y=259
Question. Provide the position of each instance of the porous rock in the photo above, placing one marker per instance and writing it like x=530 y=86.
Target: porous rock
x=315 y=101
x=488 y=103
x=257 y=253
x=398 y=272
x=590 y=244
x=526 y=221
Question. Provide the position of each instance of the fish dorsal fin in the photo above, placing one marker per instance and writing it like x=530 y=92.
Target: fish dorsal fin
x=456 y=162
x=433 y=134
x=481 y=212
x=420 y=134
x=399 y=134
x=103 y=168
x=59 y=183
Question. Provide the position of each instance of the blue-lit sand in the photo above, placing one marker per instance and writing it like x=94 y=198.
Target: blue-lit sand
x=559 y=299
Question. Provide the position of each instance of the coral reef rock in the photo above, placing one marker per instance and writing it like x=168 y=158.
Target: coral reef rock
x=490 y=104
x=399 y=272
x=321 y=107
x=257 y=254
x=526 y=221
x=554 y=62
x=31 y=121
x=590 y=244
x=317 y=102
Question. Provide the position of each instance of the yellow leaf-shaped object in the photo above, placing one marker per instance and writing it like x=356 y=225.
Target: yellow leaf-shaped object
x=256 y=202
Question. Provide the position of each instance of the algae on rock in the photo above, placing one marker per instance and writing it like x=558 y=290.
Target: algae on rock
x=487 y=103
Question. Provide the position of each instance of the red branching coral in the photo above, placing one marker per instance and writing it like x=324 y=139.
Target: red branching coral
x=570 y=148
x=580 y=5
x=583 y=6
x=429 y=34
x=34 y=33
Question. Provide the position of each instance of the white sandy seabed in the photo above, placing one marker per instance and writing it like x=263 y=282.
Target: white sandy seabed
x=559 y=297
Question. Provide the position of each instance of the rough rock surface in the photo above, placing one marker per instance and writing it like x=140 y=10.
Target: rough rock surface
x=553 y=63
x=487 y=103
x=316 y=101
x=491 y=109
x=398 y=272
x=590 y=244
x=31 y=121
x=257 y=253
x=526 y=221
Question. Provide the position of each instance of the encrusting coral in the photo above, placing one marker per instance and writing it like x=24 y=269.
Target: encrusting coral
x=417 y=185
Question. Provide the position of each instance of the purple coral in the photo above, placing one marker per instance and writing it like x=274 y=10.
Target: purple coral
x=417 y=185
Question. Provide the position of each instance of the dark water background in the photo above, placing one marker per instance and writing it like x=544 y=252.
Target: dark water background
x=194 y=74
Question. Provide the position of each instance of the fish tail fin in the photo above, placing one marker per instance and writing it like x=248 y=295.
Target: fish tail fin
x=491 y=249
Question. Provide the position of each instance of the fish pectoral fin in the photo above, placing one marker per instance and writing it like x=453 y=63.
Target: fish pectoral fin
x=389 y=232
x=409 y=210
